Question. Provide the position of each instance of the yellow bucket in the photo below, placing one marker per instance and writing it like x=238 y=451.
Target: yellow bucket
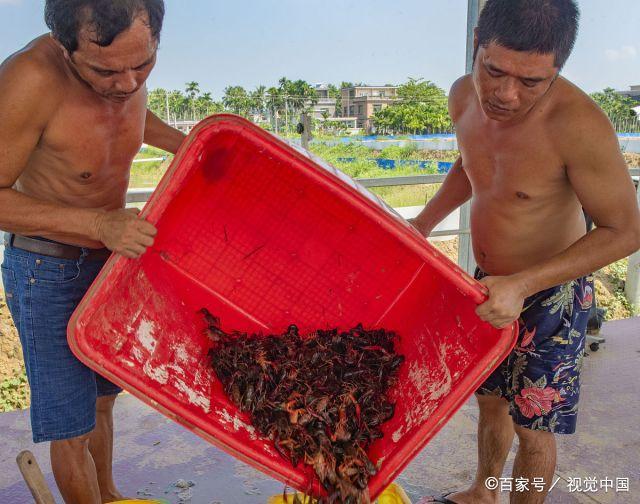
x=393 y=494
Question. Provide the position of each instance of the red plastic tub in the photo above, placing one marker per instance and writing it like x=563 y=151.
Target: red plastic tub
x=264 y=236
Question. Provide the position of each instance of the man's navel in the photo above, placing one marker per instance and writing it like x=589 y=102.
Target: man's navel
x=522 y=195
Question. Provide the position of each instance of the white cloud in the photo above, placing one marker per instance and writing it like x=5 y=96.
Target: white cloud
x=624 y=53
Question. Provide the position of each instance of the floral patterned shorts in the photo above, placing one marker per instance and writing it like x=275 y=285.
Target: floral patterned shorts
x=541 y=377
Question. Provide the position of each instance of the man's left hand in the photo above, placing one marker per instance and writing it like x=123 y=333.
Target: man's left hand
x=506 y=299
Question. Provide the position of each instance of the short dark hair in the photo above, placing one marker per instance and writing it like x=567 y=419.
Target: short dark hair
x=107 y=18
x=541 y=26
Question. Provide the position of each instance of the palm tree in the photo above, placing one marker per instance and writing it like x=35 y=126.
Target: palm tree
x=274 y=103
x=192 y=89
x=306 y=95
x=258 y=100
x=237 y=100
x=325 y=119
x=285 y=90
x=205 y=104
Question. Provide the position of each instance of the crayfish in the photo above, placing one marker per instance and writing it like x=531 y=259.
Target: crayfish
x=321 y=399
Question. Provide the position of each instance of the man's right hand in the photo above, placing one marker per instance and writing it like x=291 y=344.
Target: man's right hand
x=123 y=232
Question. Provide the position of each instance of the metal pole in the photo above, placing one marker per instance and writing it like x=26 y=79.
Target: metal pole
x=306 y=130
x=465 y=249
x=632 y=283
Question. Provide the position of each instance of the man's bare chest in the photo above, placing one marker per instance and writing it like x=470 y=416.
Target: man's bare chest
x=93 y=142
x=522 y=166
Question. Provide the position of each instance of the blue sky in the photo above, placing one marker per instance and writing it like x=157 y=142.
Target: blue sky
x=248 y=42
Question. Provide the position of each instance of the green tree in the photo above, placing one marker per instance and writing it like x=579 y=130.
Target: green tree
x=205 y=105
x=421 y=107
x=325 y=118
x=333 y=91
x=296 y=97
x=192 y=89
x=157 y=103
x=237 y=100
x=179 y=105
x=304 y=95
x=259 y=100
x=336 y=94
x=285 y=89
x=275 y=104
x=619 y=108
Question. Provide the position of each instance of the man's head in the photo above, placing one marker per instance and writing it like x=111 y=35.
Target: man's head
x=520 y=47
x=110 y=44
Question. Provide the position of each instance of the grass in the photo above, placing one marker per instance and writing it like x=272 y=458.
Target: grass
x=610 y=294
x=147 y=174
x=151 y=152
x=404 y=196
x=411 y=151
x=14 y=393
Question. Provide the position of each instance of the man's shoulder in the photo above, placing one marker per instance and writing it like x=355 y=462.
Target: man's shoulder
x=459 y=95
x=574 y=114
x=34 y=71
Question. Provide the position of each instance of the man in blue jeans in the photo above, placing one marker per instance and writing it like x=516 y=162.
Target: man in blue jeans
x=73 y=108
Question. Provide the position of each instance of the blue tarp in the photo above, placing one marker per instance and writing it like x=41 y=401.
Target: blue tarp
x=390 y=164
x=382 y=138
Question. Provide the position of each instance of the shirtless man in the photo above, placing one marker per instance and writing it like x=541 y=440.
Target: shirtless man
x=534 y=151
x=73 y=109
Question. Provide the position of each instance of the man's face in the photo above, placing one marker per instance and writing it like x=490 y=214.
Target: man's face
x=116 y=72
x=509 y=83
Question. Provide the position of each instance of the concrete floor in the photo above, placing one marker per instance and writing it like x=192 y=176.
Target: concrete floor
x=152 y=453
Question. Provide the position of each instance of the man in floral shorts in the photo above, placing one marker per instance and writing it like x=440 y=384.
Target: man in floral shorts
x=541 y=377
x=534 y=151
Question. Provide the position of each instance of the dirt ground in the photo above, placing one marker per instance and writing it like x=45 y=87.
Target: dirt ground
x=14 y=392
x=633 y=160
x=10 y=352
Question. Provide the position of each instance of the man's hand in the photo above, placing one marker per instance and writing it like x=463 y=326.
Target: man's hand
x=506 y=299
x=123 y=232
x=424 y=230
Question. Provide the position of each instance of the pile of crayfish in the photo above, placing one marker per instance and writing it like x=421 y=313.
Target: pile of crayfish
x=321 y=398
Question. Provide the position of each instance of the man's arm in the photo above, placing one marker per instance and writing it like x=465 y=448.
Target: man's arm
x=455 y=190
x=601 y=180
x=159 y=134
x=28 y=98
x=600 y=177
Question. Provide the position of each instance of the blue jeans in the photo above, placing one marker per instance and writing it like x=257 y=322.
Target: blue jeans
x=42 y=292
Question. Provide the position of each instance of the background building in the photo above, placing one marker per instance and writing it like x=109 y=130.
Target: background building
x=362 y=102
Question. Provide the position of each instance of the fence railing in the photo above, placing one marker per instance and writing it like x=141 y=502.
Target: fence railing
x=465 y=254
